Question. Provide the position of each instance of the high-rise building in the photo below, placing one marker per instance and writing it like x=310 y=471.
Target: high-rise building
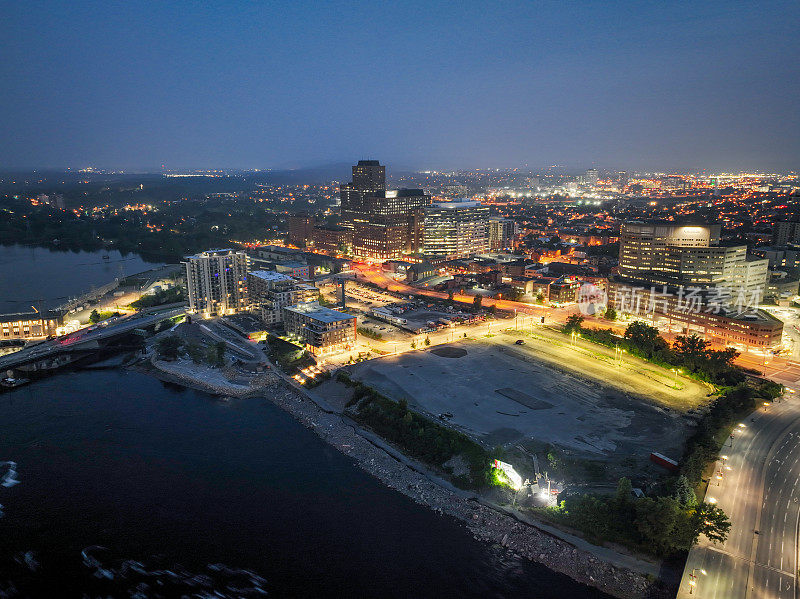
x=300 y=229
x=271 y=291
x=217 y=282
x=386 y=224
x=666 y=253
x=784 y=233
x=502 y=233
x=592 y=176
x=456 y=229
x=679 y=274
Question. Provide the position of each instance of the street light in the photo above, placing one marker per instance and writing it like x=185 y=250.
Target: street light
x=693 y=578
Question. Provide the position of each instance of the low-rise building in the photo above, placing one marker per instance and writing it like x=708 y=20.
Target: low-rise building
x=564 y=291
x=781 y=287
x=423 y=270
x=298 y=270
x=332 y=240
x=29 y=325
x=321 y=330
x=699 y=312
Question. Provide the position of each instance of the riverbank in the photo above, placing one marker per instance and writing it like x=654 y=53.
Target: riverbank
x=415 y=481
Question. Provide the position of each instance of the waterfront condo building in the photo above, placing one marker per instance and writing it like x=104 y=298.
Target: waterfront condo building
x=271 y=291
x=321 y=330
x=456 y=229
x=217 y=282
x=386 y=224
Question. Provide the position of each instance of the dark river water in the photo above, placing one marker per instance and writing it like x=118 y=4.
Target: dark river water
x=176 y=480
x=129 y=487
x=42 y=277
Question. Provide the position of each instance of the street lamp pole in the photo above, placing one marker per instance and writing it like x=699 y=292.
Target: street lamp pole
x=693 y=579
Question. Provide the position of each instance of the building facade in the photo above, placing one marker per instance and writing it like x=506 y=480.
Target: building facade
x=678 y=276
x=322 y=331
x=502 y=233
x=29 y=325
x=300 y=229
x=217 y=282
x=271 y=292
x=456 y=229
x=673 y=308
x=386 y=224
x=332 y=240
x=688 y=255
x=785 y=232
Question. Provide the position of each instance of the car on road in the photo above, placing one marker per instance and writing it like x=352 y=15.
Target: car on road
x=519 y=342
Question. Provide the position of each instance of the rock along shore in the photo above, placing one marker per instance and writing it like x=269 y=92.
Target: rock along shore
x=485 y=523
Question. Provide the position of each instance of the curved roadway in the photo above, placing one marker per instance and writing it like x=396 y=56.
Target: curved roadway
x=760 y=493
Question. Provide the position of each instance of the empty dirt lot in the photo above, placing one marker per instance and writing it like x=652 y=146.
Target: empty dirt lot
x=545 y=391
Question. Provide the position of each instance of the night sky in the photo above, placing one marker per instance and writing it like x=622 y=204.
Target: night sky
x=652 y=85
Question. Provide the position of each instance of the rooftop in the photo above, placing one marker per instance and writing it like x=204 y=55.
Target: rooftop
x=456 y=205
x=270 y=275
x=318 y=312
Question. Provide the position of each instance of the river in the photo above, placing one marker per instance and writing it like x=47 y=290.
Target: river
x=171 y=481
x=34 y=276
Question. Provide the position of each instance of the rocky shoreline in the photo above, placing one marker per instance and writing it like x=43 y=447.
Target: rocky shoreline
x=485 y=523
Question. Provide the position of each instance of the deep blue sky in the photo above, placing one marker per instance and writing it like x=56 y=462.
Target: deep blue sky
x=414 y=84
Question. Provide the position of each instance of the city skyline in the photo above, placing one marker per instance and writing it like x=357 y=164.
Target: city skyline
x=678 y=87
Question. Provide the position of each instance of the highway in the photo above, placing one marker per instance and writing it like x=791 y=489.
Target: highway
x=758 y=488
x=760 y=494
x=96 y=333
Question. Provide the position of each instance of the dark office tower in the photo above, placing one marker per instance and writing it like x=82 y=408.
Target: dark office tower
x=300 y=228
x=385 y=224
x=369 y=175
x=785 y=232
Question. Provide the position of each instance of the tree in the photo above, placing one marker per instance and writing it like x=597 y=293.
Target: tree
x=215 y=354
x=427 y=340
x=450 y=295
x=414 y=344
x=684 y=492
x=656 y=520
x=195 y=352
x=645 y=338
x=168 y=347
x=712 y=522
x=573 y=323
x=624 y=492
x=691 y=350
x=477 y=302
x=94 y=316
x=611 y=313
